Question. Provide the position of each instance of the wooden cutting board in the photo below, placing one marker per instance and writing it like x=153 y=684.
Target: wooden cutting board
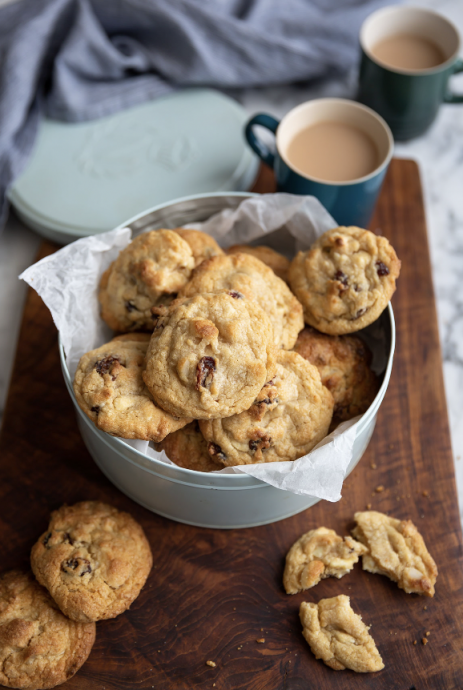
x=212 y=594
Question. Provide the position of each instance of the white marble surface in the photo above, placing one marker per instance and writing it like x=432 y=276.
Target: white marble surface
x=440 y=155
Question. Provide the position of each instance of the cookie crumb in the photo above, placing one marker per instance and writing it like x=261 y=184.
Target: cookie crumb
x=373 y=465
x=261 y=640
x=424 y=640
x=368 y=506
x=425 y=493
x=425 y=608
x=212 y=664
x=379 y=489
x=427 y=633
x=414 y=641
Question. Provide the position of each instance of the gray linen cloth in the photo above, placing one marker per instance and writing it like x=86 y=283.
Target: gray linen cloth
x=76 y=60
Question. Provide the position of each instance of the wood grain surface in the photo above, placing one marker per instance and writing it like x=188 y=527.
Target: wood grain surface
x=211 y=593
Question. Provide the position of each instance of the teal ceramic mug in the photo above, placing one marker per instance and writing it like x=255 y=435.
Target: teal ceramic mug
x=350 y=202
x=408 y=99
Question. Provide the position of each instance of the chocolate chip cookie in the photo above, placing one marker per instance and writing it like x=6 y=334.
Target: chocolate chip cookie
x=344 y=365
x=39 y=647
x=338 y=636
x=291 y=414
x=277 y=262
x=345 y=280
x=209 y=355
x=109 y=388
x=396 y=549
x=201 y=244
x=248 y=276
x=149 y=271
x=188 y=448
x=93 y=559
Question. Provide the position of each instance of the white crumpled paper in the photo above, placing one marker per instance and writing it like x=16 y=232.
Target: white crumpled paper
x=68 y=282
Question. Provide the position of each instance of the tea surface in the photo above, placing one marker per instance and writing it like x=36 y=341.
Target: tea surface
x=333 y=152
x=407 y=51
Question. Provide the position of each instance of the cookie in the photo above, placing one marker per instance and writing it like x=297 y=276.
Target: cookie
x=396 y=549
x=188 y=449
x=344 y=365
x=93 y=559
x=149 y=271
x=291 y=414
x=248 y=276
x=209 y=355
x=345 y=280
x=277 y=262
x=201 y=244
x=338 y=636
x=109 y=388
x=39 y=647
x=318 y=554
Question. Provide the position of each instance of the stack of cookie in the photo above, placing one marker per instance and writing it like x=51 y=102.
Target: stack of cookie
x=214 y=365
x=92 y=561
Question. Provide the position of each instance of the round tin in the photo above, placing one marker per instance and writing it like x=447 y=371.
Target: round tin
x=222 y=501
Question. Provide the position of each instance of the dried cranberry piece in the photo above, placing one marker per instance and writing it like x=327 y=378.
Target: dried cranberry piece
x=205 y=372
x=77 y=566
x=261 y=443
x=104 y=366
x=381 y=269
x=339 y=275
x=95 y=408
x=236 y=294
x=130 y=306
x=47 y=539
x=216 y=451
x=267 y=401
x=67 y=537
x=360 y=313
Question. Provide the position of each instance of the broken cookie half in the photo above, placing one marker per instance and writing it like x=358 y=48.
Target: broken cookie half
x=396 y=549
x=318 y=554
x=336 y=634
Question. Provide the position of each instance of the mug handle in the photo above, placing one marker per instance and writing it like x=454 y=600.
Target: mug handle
x=256 y=144
x=453 y=97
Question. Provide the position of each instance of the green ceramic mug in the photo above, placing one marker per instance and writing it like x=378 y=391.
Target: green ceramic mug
x=408 y=99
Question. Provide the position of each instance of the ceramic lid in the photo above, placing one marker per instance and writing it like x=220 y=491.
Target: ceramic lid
x=89 y=177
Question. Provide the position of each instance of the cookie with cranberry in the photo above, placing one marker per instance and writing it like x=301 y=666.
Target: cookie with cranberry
x=39 y=647
x=248 y=276
x=345 y=280
x=291 y=414
x=209 y=355
x=277 y=262
x=188 y=449
x=344 y=365
x=201 y=244
x=148 y=272
x=93 y=559
x=109 y=388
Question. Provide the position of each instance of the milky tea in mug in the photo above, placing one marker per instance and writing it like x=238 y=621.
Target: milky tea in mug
x=333 y=152
x=408 y=51
x=408 y=56
x=330 y=148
